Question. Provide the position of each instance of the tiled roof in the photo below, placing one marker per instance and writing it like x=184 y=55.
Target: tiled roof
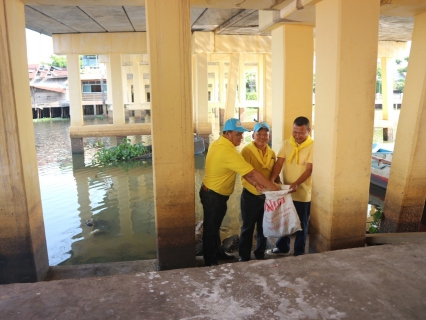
x=55 y=89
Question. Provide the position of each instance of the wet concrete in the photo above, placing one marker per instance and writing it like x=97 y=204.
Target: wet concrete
x=380 y=282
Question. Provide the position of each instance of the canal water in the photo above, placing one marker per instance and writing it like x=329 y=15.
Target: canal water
x=117 y=200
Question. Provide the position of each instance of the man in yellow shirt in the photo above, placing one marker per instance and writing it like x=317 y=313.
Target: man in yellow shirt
x=296 y=156
x=262 y=158
x=223 y=162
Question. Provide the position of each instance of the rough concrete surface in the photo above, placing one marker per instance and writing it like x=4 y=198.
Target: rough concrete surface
x=381 y=282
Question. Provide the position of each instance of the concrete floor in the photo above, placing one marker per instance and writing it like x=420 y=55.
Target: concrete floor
x=380 y=282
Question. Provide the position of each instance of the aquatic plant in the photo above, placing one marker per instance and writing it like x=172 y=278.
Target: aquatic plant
x=123 y=152
x=375 y=225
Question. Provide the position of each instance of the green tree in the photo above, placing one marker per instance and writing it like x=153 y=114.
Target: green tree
x=400 y=84
x=58 y=61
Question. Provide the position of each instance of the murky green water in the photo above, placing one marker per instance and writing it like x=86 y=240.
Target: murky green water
x=118 y=199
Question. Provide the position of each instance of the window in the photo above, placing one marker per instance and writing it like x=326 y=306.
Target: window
x=93 y=86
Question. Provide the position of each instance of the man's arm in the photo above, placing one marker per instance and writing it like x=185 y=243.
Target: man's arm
x=260 y=182
x=277 y=169
x=305 y=175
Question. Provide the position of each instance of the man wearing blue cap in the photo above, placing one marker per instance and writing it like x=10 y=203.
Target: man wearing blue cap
x=262 y=158
x=223 y=162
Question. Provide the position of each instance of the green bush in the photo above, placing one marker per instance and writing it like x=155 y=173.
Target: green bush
x=375 y=225
x=251 y=96
x=123 y=152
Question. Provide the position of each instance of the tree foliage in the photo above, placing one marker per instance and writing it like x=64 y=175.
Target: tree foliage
x=58 y=61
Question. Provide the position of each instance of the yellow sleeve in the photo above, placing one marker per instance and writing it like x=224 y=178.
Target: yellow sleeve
x=238 y=164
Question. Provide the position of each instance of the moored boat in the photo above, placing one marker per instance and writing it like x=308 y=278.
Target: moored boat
x=381 y=160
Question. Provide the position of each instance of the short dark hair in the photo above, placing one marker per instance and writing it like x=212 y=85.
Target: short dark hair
x=302 y=121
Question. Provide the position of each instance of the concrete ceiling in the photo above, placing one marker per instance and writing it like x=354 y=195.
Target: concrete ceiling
x=223 y=17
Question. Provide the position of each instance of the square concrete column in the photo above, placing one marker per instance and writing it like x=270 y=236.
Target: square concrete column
x=74 y=87
x=136 y=79
x=241 y=89
x=222 y=90
x=23 y=251
x=292 y=76
x=406 y=191
x=117 y=88
x=266 y=114
x=168 y=27
x=200 y=85
x=109 y=83
x=231 y=92
x=387 y=87
x=346 y=61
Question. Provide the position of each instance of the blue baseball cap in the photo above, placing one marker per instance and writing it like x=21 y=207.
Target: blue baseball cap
x=261 y=125
x=234 y=125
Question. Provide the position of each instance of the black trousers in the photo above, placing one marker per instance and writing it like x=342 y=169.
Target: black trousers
x=214 y=207
x=283 y=244
x=252 y=209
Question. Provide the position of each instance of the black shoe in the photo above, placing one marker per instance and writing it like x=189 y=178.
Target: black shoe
x=260 y=257
x=209 y=264
x=243 y=260
x=225 y=256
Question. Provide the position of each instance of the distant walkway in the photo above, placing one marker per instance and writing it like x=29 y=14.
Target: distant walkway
x=381 y=282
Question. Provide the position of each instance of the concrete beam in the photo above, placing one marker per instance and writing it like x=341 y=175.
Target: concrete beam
x=233 y=21
x=110 y=130
x=100 y=43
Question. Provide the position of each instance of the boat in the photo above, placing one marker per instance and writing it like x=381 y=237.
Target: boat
x=381 y=160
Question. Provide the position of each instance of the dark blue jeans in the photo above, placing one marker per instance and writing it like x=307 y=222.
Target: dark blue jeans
x=252 y=209
x=283 y=244
x=214 y=207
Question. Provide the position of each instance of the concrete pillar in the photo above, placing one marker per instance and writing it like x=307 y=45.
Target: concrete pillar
x=23 y=251
x=174 y=185
x=241 y=89
x=109 y=86
x=405 y=195
x=117 y=88
x=136 y=79
x=261 y=86
x=387 y=87
x=346 y=62
x=222 y=91
x=142 y=91
x=231 y=91
x=202 y=124
x=74 y=88
x=292 y=72
x=145 y=69
x=267 y=89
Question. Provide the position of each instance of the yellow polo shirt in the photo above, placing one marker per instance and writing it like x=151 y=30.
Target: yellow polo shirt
x=223 y=162
x=292 y=171
x=261 y=162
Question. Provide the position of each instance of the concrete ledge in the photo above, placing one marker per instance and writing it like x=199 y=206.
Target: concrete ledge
x=395 y=238
x=100 y=269
x=379 y=282
x=108 y=130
